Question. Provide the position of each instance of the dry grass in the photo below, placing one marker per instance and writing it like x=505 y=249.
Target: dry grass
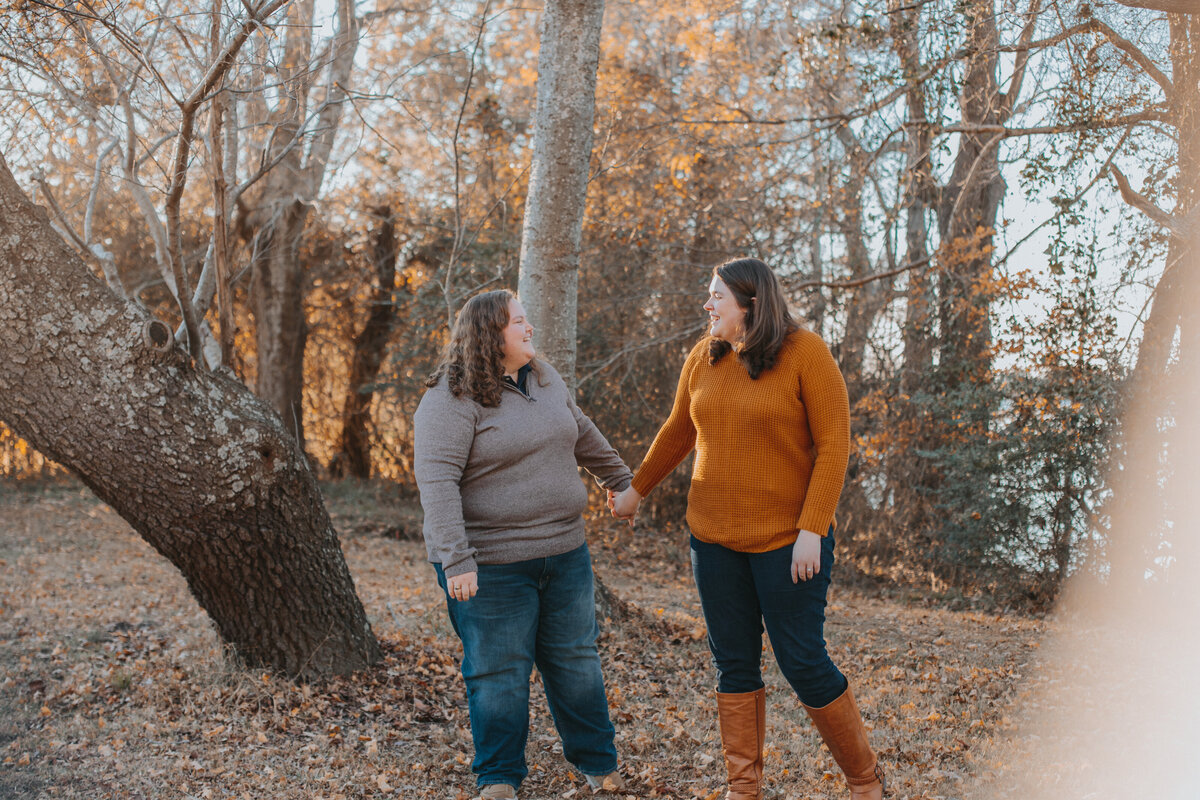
x=115 y=685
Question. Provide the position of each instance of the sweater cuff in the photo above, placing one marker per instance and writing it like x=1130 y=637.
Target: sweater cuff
x=819 y=525
x=618 y=485
x=642 y=485
x=462 y=567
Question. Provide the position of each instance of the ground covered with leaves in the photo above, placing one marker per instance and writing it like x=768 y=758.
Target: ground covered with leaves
x=113 y=683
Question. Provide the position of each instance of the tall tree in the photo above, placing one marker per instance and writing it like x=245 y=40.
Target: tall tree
x=562 y=146
x=276 y=214
x=354 y=458
x=198 y=465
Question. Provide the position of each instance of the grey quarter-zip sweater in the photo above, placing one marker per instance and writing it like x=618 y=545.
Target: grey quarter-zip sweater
x=500 y=485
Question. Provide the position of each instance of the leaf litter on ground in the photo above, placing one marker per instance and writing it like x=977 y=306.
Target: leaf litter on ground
x=114 y=684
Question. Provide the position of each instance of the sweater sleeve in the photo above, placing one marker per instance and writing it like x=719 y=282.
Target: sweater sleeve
x=443 y=431
x=676 y=438
x=597 y=456
x=592 y=450
x=823 y=392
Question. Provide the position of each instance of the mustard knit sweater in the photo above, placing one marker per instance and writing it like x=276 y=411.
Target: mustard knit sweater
x=771 y=453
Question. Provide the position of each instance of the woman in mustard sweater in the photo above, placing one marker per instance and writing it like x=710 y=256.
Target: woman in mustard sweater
x=764 y=405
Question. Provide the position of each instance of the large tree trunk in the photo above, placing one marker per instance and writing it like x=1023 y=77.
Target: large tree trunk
x=562 y=146
x=199 y=466
x=354 y=455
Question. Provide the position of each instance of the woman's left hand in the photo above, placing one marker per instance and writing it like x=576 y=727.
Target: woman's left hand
x=806 y=556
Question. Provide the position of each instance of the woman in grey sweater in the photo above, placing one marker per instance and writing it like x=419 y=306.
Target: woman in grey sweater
x=498 y=440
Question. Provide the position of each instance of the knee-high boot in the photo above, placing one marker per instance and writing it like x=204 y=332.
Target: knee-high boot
x=743 y=728
x=841 y=726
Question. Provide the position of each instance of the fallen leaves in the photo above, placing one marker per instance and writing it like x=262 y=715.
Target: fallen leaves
x=104 y=676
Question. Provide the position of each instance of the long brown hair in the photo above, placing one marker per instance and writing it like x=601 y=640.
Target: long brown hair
x=768 y=321
x=473 y=360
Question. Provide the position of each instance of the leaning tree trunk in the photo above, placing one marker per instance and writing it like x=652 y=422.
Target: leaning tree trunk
x=354 y=453
x=199 y=466
x=562 y=147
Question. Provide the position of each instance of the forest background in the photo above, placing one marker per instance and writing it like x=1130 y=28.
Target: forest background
x=986 y=208
x=939 y=184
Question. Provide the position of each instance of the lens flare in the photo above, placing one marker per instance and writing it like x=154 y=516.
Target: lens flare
x=1112 y=709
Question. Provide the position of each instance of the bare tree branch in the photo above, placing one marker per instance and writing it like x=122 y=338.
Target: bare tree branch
x=61 y=223
x=1133 y=51
x=1117 y=40
x=342 y=48
x=1145 y=204
x=854 y=283
x=1169 y=6
x=188 y=107
x=1064 y=206
x=459 y=228
x=107 y=262
x=1022 y=61
x=1069 y=127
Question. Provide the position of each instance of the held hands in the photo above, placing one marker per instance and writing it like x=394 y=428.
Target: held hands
x=624 y=505
x=806 y=556
x=463 y=587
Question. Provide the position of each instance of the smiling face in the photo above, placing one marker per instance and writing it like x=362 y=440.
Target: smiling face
x=726 y=318
x=518 y=338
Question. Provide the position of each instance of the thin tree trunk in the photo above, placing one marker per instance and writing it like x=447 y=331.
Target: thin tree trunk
x=969 y=204
x=918 y=334
x=280 y=214
x=199 y=466
x=866 y=302
x=354 y=456
x=562 y=146
x=281 y=330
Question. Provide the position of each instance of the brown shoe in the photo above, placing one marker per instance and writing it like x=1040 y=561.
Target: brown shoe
x=612 y=782
x=498 y=791
x=743 y=727
x=842 y=729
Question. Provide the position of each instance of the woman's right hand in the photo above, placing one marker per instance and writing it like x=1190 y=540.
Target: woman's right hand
x=463 y=587
x=624 y=505
x=806 y=556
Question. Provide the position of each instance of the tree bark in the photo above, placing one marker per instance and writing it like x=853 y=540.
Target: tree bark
x=562 y=146
x=354 y=456
x=918 y=194
x=1137 y=501
x=969 y=204
x=279 y=214
x=200 y=467
x=864 y=304
x=1169 y=6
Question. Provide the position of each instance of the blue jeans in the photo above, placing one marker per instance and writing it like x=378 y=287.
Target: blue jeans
x=739 y=592
x=539 y=612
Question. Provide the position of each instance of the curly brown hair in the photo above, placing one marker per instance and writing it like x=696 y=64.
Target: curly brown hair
x=768 y=321
x=473 y=360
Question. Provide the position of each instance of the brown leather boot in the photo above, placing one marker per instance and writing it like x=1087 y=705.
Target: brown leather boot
x=743 y=718
x=842 y=729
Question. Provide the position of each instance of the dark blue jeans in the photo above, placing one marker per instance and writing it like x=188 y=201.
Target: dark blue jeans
x=739 y=592
x=540 y=612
